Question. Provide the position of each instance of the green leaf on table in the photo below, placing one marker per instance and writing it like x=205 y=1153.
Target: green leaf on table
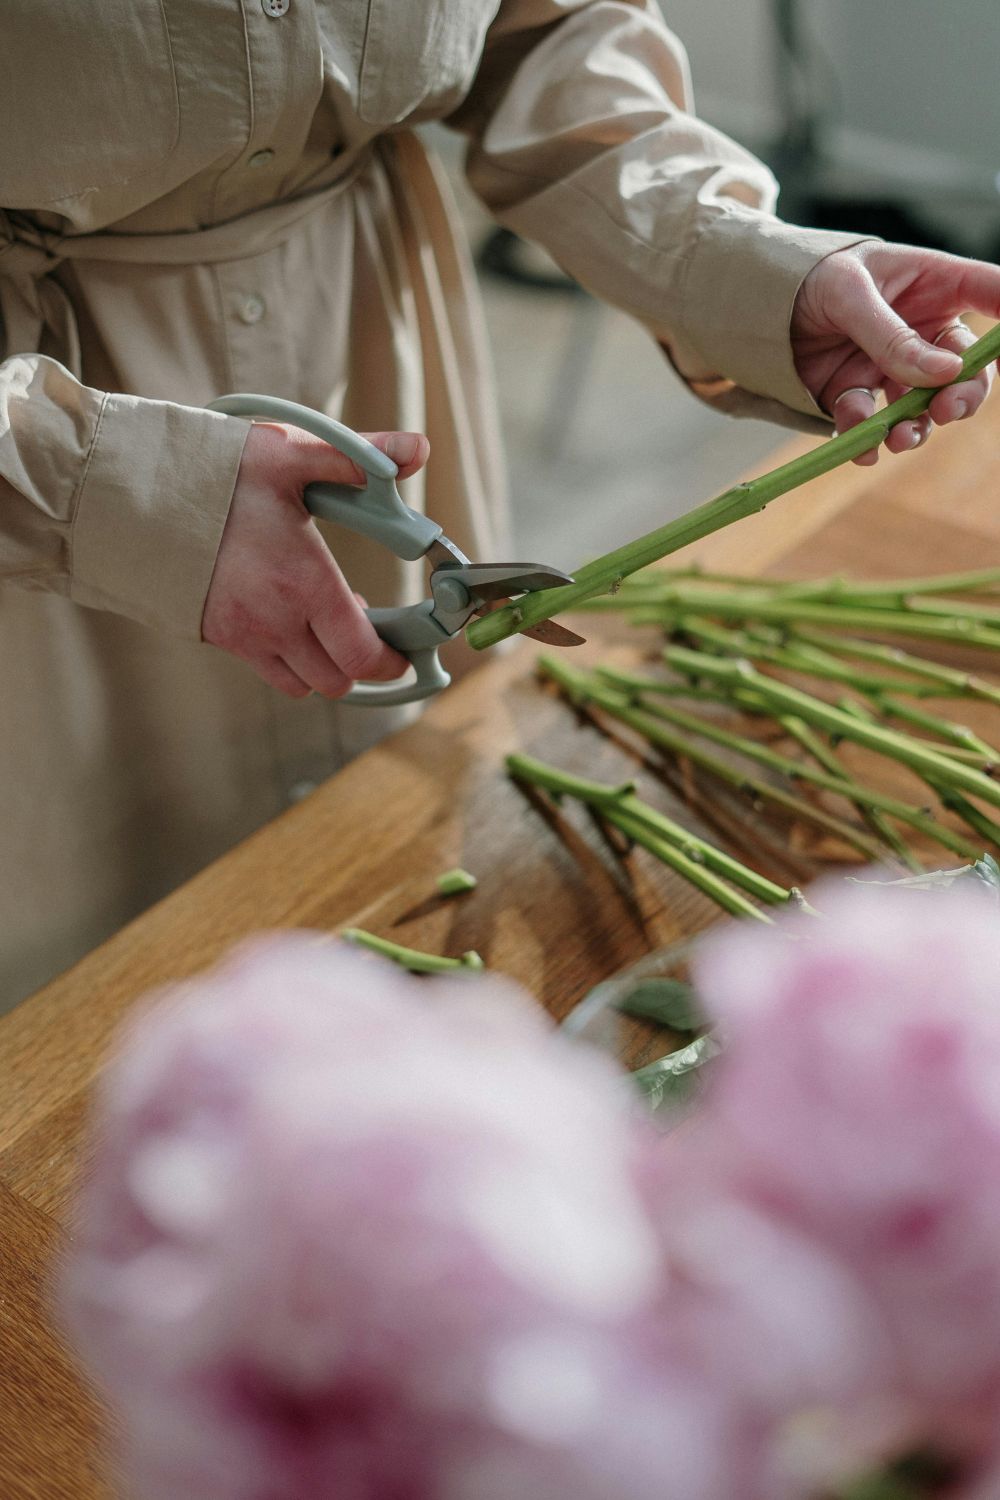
x=669 y=1002
x=672 y=1079
x=988 y=871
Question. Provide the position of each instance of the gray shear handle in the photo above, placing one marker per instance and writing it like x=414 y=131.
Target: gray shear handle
x=412 y=631
x=377 y=512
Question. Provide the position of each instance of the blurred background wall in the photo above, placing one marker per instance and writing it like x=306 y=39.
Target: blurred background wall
x=882 y=117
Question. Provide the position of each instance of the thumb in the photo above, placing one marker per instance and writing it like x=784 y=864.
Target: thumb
x=898 y=350
x=408 y=450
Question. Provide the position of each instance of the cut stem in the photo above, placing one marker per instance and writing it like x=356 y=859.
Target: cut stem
x=828 y=760
x=794 y=770
x=666 y=608
x=581 y=689
x=915 y=753
x=455 y=882
x=955 y=681
x=807 y=660
x=410 y=958
x=960 y=740
x=621 y=802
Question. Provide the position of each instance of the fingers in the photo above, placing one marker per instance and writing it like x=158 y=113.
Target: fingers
x=347 y=635
x=408 y=450
x=965 y=398
x=851 y=407
x=907 y=435
x=898 y=350
x=311 y=664
x=979 y=287
x=950 y=405
x=279 y=675
x=309 y=459
x=277 y=599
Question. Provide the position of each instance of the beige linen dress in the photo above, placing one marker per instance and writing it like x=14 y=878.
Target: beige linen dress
x=200 y=196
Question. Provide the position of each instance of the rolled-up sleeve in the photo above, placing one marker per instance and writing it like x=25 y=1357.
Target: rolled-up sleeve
x=115 y=502
x=583 y=140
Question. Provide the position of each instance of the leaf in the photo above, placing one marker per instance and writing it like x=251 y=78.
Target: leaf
x=672 y=1080
x=988 y=871
x=670 y=1002
x=931 y=880
x=985 y=871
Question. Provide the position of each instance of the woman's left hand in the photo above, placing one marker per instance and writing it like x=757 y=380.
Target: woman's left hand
x=887 y=317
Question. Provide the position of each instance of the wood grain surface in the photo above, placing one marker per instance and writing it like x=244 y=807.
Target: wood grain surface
x=555 y=907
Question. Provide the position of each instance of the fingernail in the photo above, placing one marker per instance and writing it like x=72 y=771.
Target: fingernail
x=401 y=447
x=936 y=361
x=961 y=410
x=914 y=437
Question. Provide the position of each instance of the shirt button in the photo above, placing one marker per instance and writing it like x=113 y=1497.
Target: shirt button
x=275 y=7
x=252 y=308
x=261 y=158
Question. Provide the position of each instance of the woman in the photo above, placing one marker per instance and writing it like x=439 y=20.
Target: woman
x=213 y=195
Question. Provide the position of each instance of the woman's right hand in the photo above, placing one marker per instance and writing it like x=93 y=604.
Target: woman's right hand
x=277 y=598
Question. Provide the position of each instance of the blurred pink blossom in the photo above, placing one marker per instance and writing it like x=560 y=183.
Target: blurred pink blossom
x=849 y=1158
x=353 y=1236
x=358 y=1236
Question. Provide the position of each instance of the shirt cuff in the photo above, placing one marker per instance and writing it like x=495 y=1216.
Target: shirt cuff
x=153 y=502
x=733 y=342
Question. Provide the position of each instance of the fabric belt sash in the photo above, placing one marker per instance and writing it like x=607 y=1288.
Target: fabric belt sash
x=32 y=301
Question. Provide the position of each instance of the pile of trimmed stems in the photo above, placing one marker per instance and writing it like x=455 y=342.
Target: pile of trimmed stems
x=728 y=639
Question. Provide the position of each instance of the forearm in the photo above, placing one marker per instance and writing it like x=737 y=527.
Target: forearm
x=584 y=140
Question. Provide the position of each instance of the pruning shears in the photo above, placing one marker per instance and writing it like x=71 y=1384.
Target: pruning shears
x=459 y=589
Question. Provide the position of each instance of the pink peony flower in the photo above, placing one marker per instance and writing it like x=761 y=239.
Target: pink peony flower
x=848 y=1159
x=354 y=1236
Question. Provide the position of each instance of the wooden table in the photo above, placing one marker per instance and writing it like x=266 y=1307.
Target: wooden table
x=554 y=908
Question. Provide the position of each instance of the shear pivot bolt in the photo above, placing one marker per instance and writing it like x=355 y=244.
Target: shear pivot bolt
x=452 y=594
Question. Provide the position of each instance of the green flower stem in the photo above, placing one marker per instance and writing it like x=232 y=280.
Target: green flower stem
x=410 y=958
x=841 y=784
x=978 y=752
x=961 y=609
x=899 y=589
x=828 y=760
x=863 y=713
x=742 y=500
x=953 y=681
x=698 y=875
x=621 y=802
x=666 y=608
x=808 y=660
x=837 y=587
x=581 y=689
x=914 y=753
x=970 y=814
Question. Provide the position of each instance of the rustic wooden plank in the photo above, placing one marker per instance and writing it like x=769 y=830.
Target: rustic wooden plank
x=50 y=1425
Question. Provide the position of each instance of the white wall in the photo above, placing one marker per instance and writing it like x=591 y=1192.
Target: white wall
x=729 y=44
x=909 y=85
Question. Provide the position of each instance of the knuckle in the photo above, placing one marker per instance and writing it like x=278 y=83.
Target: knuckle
x=234 y=627
x=902 y=341
x=360 y=659
x=333 y=683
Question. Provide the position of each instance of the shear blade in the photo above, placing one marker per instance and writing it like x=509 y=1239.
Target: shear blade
x=490 y=581
x=551 y=633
